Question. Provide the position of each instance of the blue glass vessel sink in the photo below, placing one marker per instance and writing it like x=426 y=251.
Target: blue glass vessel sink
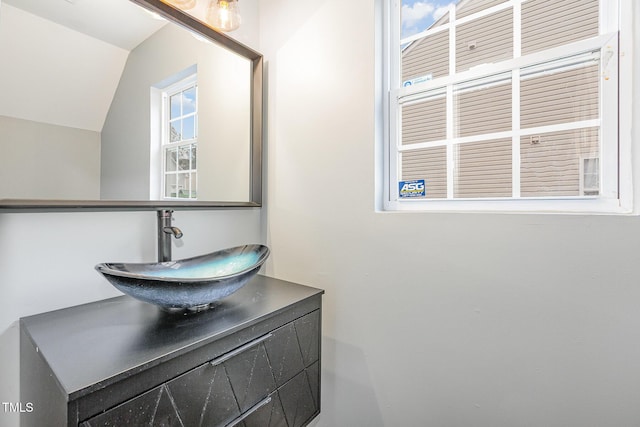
x=190 y=283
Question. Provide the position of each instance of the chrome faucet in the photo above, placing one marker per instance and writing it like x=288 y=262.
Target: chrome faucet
x=165 y=231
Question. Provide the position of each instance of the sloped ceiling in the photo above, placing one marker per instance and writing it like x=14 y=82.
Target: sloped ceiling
x=117 y=22
x=62 y=59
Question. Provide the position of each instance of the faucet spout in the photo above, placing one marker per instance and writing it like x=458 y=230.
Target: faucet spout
x=165 y=231
x=177 y=233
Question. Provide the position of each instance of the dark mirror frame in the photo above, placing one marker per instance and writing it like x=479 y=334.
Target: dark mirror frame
x=192 y=24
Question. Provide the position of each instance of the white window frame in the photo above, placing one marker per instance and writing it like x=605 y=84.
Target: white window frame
x=166 y=143
x=616 y=191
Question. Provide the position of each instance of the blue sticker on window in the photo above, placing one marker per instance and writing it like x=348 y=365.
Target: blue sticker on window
x=413 y=188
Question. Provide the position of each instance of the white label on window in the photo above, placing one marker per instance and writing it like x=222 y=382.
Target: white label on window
x=418 y=80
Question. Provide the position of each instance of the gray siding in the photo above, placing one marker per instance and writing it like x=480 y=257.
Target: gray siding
x=546 y=24
x=485 y=40
x=466 y=8
x=552 y=166
x=561 y=97
x=424 y=121
x=483 y=169
x=492 y=35
x=429 y=55
x=484 y=110
x=429 y=164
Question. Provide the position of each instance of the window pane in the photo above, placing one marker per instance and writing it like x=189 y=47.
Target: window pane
x=176 y=106
x=189 y=128
x=483 y=169
x=550 y=162
x=418 y=15
x=429 y=164
x=175 y=131
x=171 y=159
x=562 y=95
x=591 y=177
x=485 y=40
x=194 y=185
x=546 y=24
x=183 y=185
x=194 y=156
x=184 y=153
x=170 y=185
x=426 y=58
x=482 y=107
x=425 y=121
x=189 y=101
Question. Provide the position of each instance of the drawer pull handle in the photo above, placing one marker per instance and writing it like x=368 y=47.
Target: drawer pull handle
x=249 y=412
x=239 y=350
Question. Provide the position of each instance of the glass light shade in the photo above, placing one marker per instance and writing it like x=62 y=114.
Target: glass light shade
x=223 y=15
x=182 y=4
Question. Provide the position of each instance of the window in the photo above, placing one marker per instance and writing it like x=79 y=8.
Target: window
x=180 y=140
x=503 y=105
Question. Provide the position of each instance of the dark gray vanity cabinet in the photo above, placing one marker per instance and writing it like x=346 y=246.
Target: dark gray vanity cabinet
x=253 y=360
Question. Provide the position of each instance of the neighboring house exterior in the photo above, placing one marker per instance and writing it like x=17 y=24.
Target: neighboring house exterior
x=561 y=99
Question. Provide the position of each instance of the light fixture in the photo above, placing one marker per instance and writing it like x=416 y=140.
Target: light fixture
x=223 y=15
x=182 y=4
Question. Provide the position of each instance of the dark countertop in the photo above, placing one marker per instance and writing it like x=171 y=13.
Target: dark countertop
x=98 y=342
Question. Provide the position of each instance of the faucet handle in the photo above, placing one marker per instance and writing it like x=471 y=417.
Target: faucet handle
x=166 y=213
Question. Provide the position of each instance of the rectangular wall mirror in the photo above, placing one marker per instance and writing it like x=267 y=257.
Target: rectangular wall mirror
x=125 y=104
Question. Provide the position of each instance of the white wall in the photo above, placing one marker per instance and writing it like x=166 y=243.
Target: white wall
x=44 y=161
x=434 y=319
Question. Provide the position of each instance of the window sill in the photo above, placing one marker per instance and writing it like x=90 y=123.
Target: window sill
x=582 y=205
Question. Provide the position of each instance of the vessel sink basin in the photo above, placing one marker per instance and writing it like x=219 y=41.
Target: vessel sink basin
x=190 y=283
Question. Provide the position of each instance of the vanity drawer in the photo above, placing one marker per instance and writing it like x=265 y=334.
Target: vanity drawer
x=272 y=380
